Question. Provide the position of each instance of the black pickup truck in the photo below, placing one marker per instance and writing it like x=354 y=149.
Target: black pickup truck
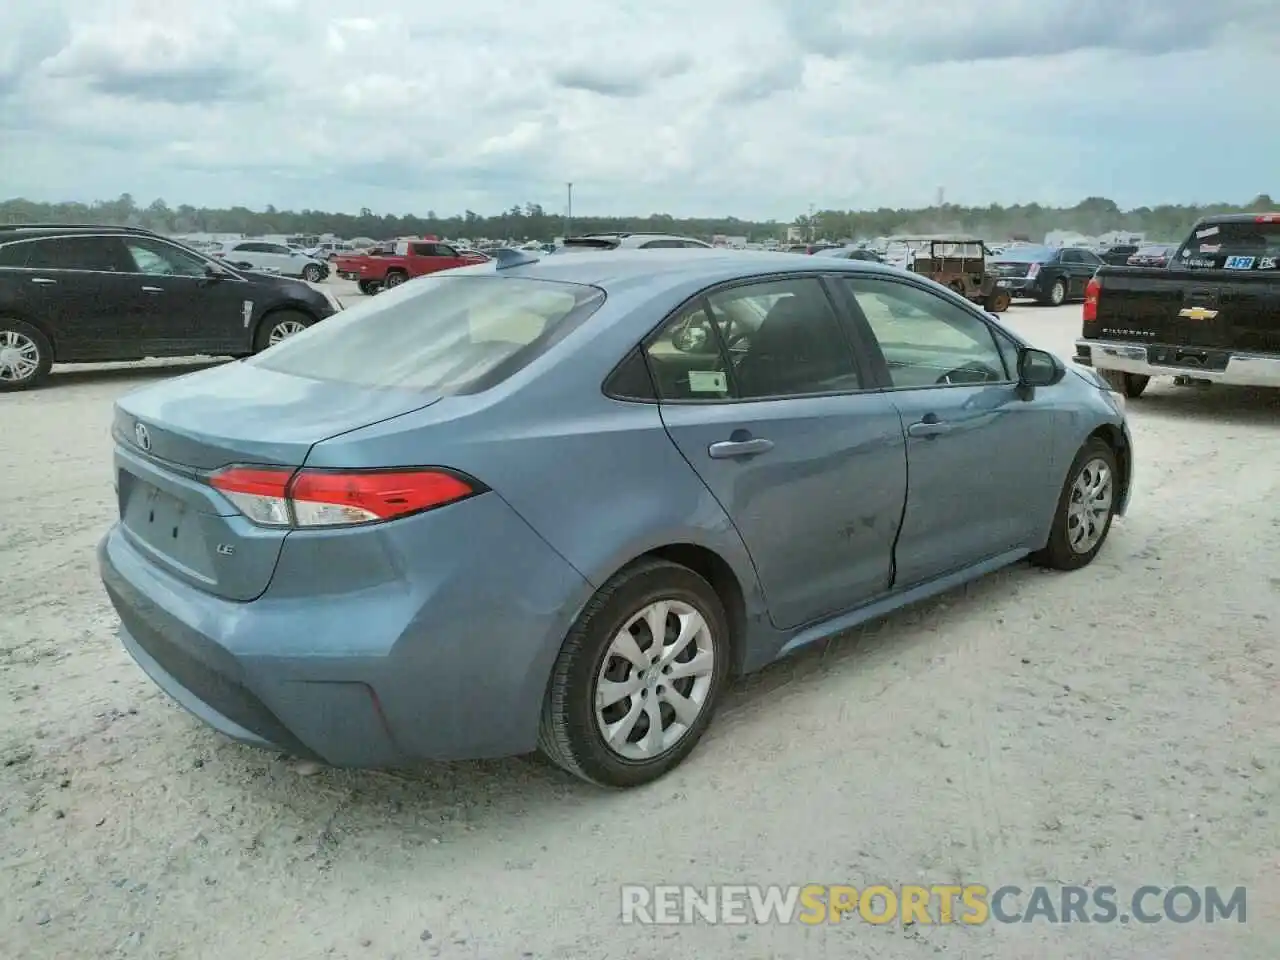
x=1212 y=315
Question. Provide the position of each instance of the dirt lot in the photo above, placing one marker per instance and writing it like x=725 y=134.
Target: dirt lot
x=1116 y=725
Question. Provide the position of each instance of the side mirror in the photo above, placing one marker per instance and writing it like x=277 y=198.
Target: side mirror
x=1038 y=368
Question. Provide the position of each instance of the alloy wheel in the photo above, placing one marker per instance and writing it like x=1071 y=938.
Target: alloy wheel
x=19 y=356
x=1089 y=505
x=654 y=680
x=284 y=330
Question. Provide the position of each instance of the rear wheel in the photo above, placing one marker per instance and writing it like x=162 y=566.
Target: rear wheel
x=279 y=326
x=999 y=301
x=1057 y=294
x=394 y=279
x=1086 y=507
x=638 y=677
x=25 y=355
x=1130 y=384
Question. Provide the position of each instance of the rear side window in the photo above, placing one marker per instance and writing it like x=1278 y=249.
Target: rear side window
x=446 y=335
x=102 y=254
x=1233 y=245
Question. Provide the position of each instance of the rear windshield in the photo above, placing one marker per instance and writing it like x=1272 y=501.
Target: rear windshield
x=579 y=244
x=1234 y=245
x=446 y=335
x=1026 y=254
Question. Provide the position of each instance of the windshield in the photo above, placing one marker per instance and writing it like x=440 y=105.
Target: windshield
x=454 y=334
x=1235 y=245
x=1026 y=255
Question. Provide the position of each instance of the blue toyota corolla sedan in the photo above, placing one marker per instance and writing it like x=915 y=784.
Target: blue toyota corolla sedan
x=559 y=503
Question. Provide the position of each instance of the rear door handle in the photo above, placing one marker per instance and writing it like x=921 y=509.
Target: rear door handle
x=43 y=280
x=928 y=429
x=153 y=289
x=728 y=449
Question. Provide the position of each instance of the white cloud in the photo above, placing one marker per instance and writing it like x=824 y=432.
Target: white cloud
x=755 y=108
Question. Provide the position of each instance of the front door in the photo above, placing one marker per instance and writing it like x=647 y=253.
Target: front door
x=980 y=483
x=761 y=392
x=174 y=306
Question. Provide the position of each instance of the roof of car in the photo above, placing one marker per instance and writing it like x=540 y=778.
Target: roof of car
x=14 y=231
x=671 y=268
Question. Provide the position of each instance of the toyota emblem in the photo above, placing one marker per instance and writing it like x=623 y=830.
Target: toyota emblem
x=142 y=435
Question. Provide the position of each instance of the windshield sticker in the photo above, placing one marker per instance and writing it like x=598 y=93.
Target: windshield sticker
x=1239 y=263
x=1206 y=233
x=1203 y=263
x=1267 y=263
x=1210 y=247
x=708 y=381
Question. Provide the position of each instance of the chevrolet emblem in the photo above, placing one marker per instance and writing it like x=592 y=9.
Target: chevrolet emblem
x=1197 y=313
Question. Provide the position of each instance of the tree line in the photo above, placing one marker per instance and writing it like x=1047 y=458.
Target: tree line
x=531 y=221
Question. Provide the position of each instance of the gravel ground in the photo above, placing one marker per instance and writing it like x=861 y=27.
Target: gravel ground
x=1115 y=725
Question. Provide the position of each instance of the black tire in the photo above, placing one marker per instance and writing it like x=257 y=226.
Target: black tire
x=568 y=734
x=278 y=321
x=1059 y=553
x=19 y=336
x=369 y=287
x=1131 y=385
x=998 y=302
x=1056 y=295
x=394 y=279
x=313 y=273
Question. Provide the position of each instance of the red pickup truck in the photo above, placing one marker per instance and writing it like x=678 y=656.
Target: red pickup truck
x=407 y=259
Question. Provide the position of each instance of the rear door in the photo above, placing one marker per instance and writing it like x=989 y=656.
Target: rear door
x=760 y=390
x=981 y=480
x=69 y=284
x=1079 y=266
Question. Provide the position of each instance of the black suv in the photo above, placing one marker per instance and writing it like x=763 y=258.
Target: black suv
x=90 y=294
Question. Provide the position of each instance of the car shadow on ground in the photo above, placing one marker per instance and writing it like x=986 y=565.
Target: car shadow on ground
x=452 y=800
x=1235 y=406
x=68 y=374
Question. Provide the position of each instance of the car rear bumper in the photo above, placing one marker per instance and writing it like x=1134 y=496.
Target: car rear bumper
x=1228 y=367
x=374 y=653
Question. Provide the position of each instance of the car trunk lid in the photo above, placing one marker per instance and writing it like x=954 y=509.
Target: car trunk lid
x=170 y=441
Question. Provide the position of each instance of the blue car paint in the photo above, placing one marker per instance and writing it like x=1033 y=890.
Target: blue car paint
x=432 y=637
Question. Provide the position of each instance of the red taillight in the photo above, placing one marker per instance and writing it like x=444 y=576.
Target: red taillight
x=275 y=497
x=1033 y=271
x=1092 y=294
x=1267 y=218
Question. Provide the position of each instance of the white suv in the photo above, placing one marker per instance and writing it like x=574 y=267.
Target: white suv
x=630 y=241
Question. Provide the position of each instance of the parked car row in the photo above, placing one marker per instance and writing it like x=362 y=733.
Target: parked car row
x=89 y=294
x=274 y=258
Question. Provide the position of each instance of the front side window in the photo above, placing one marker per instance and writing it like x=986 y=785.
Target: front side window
x=927 y=341
x=447 y=335
x=162 y=259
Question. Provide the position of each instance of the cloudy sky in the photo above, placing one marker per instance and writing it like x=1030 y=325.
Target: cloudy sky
x=755 y=108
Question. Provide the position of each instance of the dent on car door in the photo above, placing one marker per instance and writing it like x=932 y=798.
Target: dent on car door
x=978 y=452
x=771 y=413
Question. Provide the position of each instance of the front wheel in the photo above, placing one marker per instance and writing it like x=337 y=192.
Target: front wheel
x=1085 y=509
x=1057 y=294
x=636 y=682
x=369 y=287
x=999 y=301
x=25 y=355
x=313 y=273
x=280 y=326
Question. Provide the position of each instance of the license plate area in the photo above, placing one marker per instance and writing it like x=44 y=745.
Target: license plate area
x=1189 y=358
x=168 y=526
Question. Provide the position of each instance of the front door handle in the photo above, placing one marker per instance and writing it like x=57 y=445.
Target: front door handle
x=153 y=289
x=728 y=449
x=43 y=280
x=928 y=429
